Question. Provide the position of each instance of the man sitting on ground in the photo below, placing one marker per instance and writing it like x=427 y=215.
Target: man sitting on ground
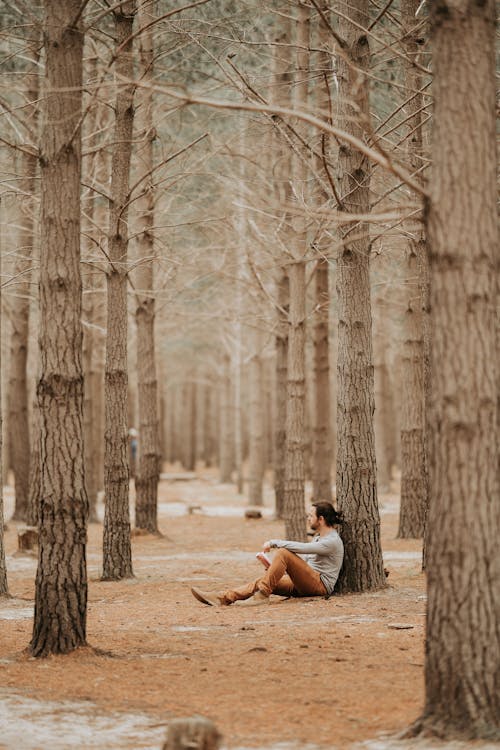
x=315 y=574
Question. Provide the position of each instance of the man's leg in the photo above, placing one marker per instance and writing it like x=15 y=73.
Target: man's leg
x=304 y=580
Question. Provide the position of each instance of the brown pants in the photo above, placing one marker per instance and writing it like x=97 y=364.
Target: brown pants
x=288 y=575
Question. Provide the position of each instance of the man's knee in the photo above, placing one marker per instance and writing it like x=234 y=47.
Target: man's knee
x=285 y=554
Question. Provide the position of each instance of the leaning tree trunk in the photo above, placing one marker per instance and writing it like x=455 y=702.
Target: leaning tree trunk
x=414 y=473
x=18 y=387
x=61 y=579
x=462 y=665
x=148 y=468
x=356 y=467
x=117 y=553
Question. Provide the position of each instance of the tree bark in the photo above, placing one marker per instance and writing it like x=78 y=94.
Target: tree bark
x=256 y=420
x=226 y=431
x=4 y=588
x=148 y=469
x=462 y=665
x=61 y=579
x=414 y=472
x=117 y=555
x=322 y=483
x=18 y=387
x=356 y=467
x=294 y=510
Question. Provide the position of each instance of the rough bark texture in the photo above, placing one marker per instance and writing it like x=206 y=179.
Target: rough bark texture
x=356 y=469
x=384 y=422
x=321 y=470
x=462 y=669
x=256 y=420
x=117 y=556
x=20 y=309
x=148 y=469
x=414 y=473
x=61 y=579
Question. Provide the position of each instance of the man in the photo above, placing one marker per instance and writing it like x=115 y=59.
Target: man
x=315 y=574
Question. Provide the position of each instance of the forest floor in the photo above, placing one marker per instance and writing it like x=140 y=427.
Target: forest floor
x=295 y=674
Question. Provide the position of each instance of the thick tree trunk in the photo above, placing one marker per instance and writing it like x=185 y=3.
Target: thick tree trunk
x=462 y=669
x=356 y=469
x=414 y=473
x=61 y=579
x=117 y=555
x=322 y=482
x=256 y=420
x=148 y=469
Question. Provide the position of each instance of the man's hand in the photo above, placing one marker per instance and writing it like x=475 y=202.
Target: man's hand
x=266 y=546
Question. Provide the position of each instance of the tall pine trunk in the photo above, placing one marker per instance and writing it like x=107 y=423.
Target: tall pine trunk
x=148 y=469
x=462 y=664
x=295 y=473
x=321 y=453
x=356 y=467
x=117 y=554
x=414 y=472
x=4 y=588
x=18 y=386
x=61 y=579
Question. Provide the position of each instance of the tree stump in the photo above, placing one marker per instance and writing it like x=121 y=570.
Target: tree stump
x=194 y=733
x=27 y=539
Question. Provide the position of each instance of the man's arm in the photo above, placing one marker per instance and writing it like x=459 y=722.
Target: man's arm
x=321 y=546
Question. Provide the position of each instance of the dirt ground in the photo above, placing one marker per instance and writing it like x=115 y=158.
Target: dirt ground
x=323 y=673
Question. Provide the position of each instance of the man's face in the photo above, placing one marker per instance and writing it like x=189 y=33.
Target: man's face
x=312 y=519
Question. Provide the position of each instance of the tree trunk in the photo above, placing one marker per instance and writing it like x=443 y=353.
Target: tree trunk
x=383 y=423
x=148 y=470
x=322 y=483
x=117 y=556
x=414 y=473
x=294 y=510
x=18 y=388
x=462 y=669
x=4 y=589
x=226 y=424
x=256 y=420
x=61 y=579
x=356 y=469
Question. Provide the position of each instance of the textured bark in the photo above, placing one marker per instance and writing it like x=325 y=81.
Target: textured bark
x=356 y=468
x=462 y=666
x=321 y=469
x=384 y=423
x=20 y=309
x=256 y=420
x=117 y=555
x=148 y=469
x=61 y=578
x=414 y=473
x=294 y=510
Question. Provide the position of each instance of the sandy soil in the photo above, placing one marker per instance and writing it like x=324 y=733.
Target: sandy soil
x=328 y=673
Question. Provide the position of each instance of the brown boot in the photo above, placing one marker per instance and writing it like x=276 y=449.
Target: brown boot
x=213 y=600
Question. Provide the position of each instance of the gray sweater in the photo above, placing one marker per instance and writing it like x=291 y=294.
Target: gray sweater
x=324 y=554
